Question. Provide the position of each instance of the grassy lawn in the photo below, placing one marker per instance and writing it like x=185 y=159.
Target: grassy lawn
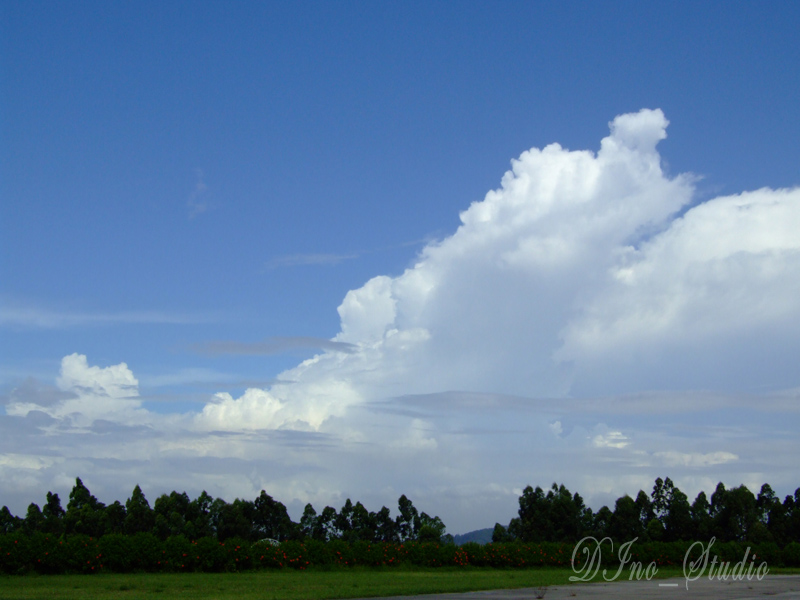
x=279 y=585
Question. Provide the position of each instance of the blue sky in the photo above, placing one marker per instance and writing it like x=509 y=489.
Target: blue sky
x=193 y=189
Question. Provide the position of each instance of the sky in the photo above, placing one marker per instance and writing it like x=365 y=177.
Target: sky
x=359 y=250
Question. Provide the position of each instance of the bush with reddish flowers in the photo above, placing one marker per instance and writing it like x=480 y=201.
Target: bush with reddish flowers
x=44 y=554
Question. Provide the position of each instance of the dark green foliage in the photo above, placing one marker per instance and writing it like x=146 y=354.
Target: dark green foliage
x=51 y=554
x=431 y=529
x=8 y=522
x=113 y=519
x=310 y=524
x=117 y=552
x=671 y=507
x=644 y=507
x=765 y=503
x=734 y=513
x=769 y=552
x=34 y=520
x=233 y=520
x=500 y=534
x=360 y=524
x=514 y=555
x=16 y=552
x=170 y=513
x=625 y=522
x=655 y=530
x=175 y=514
x=84 y=513
x=177 y=554
x=270 y=520
x=557 y=516
x=291 y=554
x=207 y=534
x=385 y=527
x=327 y=524
x=662 y=492
x=408 y=519
x=321 y=553
x=53 y=515
x=601 y=522
x=792 y=508
x=534 y=519
x=678 y=521
x=82 y=554
x=200 y=516
x=344 y=522
x=791 y=554
x=139 y=516
x=210 y=555
x=144 y=552
x=702 y=523
x=425 y=554
x=666 y=516
x=778 y=521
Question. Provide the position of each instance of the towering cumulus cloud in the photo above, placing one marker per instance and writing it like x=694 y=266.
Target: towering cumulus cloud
x=580 y=265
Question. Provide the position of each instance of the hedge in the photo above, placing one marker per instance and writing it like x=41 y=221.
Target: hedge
x=144 y=552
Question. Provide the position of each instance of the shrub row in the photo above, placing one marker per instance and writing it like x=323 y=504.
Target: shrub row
x=144 y=552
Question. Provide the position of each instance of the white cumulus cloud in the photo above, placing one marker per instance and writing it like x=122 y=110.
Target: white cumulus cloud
x=109 y=393
x=578 y=272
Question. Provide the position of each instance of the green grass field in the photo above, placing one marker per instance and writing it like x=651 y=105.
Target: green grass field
x=288 y=585
x=277 y=585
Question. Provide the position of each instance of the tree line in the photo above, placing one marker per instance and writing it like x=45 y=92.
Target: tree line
x=176 y=514
x=666 y=515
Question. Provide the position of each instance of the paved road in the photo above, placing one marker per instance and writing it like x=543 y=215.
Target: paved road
x=773 y=586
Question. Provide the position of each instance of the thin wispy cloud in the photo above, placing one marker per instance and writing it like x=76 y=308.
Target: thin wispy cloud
x=200 y=378
x=42 y=318
x=197 y=202
x=275 y=345
x=331 y=259
x=303 y=260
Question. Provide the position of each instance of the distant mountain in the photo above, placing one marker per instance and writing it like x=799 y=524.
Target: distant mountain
x=480 y=536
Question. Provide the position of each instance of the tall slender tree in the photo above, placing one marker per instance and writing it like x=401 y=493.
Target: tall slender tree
x=84 y=512
x=53 y=515
x=625 y=522
x=271 y=520
x=139 y=517
x=408 y=519
x=8 y=522
x=34 y=521
x=702 y=523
